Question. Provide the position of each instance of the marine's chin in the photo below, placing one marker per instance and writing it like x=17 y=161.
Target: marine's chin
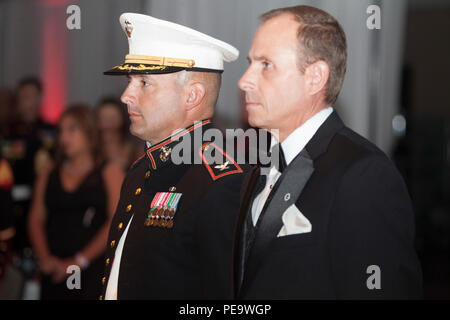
x=134 y=130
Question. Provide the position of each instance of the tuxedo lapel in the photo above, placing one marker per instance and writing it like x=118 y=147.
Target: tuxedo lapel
x=292 y=182
x=240 y=252
x=285 y=192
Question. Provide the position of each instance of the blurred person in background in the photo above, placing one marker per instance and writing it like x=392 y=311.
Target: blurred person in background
x=26 y=146
x=73 y=203
x=6 y=216
x=29 y=99
x=6 y=105
x=117 y=144
x=27 y=120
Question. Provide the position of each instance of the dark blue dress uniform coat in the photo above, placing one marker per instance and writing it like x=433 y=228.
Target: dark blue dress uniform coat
x=193 y=258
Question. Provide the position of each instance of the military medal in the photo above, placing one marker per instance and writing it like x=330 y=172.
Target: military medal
x=150 y=219
x=162 y=209
x=163 y=218
x=157 y=214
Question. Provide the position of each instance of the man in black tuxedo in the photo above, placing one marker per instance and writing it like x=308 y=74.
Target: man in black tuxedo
x=332 y=219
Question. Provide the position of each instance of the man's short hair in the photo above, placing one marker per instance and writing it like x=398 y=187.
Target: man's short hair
x=212 y=80
x=30 y=81
x=321 y=37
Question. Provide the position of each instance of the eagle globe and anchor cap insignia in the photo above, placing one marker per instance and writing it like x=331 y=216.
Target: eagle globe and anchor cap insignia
x=160 y=46
x=128 y=28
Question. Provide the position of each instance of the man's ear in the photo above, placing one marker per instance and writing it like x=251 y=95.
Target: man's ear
x=317 y=75
x=195 y=94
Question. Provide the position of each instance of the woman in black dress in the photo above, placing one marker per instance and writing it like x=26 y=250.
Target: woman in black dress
x=73 y=203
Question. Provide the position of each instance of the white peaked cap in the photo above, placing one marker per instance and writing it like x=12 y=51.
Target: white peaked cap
x=159 y=46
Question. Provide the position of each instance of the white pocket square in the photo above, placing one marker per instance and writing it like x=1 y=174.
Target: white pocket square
x=294 y=222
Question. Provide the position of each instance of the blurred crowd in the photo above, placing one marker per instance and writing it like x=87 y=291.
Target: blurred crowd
x=59 y=185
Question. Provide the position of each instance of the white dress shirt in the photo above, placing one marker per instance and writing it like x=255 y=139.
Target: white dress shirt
x=291 y=147
x=111 y=289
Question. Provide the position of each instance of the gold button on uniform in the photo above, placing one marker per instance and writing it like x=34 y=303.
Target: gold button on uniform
x=113 y=243
x=172 y=189
x=103 y=280
x=129 y=208
x=100 y=298
x=120 y=226
x=138 y=191
x=147 y=174
x=107 y=262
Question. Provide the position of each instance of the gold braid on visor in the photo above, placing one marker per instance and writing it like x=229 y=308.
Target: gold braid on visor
x=160 y=61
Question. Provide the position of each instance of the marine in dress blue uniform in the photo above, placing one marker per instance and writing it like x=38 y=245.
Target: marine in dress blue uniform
x=174 y=225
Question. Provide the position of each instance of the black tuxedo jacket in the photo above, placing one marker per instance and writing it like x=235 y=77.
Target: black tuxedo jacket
x=361 y=242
